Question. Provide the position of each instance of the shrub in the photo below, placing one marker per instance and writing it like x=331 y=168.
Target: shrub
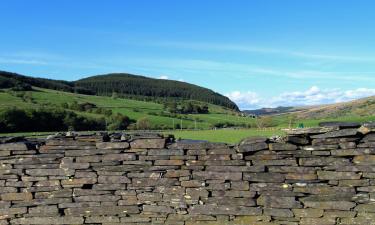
x=143 y=124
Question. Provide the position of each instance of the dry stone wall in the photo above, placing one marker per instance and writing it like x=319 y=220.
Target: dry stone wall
x=316 y=176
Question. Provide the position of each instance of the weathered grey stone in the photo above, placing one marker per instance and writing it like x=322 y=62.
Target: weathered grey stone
x=333 y=175
x=96 y=211
x=264 y=177
x=338 y=133
x=113 y=179
x=278 y=212
x=147 y=182
x=119 y=157
x=214 y=157
x=11 y=212
x=318 y=221
x=282 y=147
x=278 y=202
x=256 y=168
x=298 y=140
x=177 y=173
x=364 y=160
x=192 y=183
x=222 y=151
x=18 y=146
x=323 y=161
x=314 y=130
x=112 y=145
x=252 y=147
x=224 y=210
x=44 y=210
x=97 y=198
x=48 y=220
x=276 y=162
x=148 y=143
x=206 y=175
x=149 y=197
x=347 y=145
x=157 y=209
x=165 y=152
x=50 y=172
x=319 y=147
x=25 y=196
x=175 y=162
x=102 y=219
x=308 y=212
x=301 y=176
x=354 y=183
x=78 y=182
x=244 y=201
x=338 y=205
x=340 y=125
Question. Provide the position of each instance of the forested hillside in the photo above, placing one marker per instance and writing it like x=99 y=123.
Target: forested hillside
x=121 y=85
x=127 y=84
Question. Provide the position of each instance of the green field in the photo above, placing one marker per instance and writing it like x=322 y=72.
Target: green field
x=134 y=109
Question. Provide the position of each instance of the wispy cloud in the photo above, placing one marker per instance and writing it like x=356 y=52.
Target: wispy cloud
x=22 y=61
x=260 y=50
x=311 y=96
x=242 y=70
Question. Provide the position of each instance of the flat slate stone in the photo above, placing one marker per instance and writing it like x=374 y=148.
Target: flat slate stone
x=18 y=146
x=337 y=205
x=252 y=147
x=48 y=220
x=309 y=131
x=282 y=147
x=112 y=145
x=340 y=125
x=278 y=202
x=156 y=143
x=224 y=210
x=298 y=140
x=338 y=133
x=364 y=159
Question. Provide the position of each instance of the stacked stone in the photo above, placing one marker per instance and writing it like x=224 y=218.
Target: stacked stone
x=319 y=176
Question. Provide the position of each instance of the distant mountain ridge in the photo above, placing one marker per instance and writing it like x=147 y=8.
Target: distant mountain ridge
x=359 y=107
x=123 y=84
x=270 y=111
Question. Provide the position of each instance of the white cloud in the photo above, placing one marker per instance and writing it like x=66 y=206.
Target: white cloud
x=247 y=99
x=312 y=96
x=164 y=77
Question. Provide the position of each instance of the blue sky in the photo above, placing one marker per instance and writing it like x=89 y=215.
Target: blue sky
x=259 y=53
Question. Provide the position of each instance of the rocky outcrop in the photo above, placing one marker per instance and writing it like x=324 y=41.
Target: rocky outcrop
x=315 y=176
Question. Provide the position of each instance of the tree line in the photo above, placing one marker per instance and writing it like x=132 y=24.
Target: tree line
x=122 y=85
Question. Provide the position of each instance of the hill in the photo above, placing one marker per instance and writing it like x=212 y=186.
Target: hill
x=123 y=85
x=104 y=108
x=269 y=111
x=359 y=107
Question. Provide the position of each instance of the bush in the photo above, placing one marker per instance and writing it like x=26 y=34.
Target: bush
x=19 y=120
x=143 y=124
x=118 y=122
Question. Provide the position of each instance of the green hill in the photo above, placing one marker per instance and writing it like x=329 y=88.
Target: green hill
x=123 y=85
x=41 y=109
